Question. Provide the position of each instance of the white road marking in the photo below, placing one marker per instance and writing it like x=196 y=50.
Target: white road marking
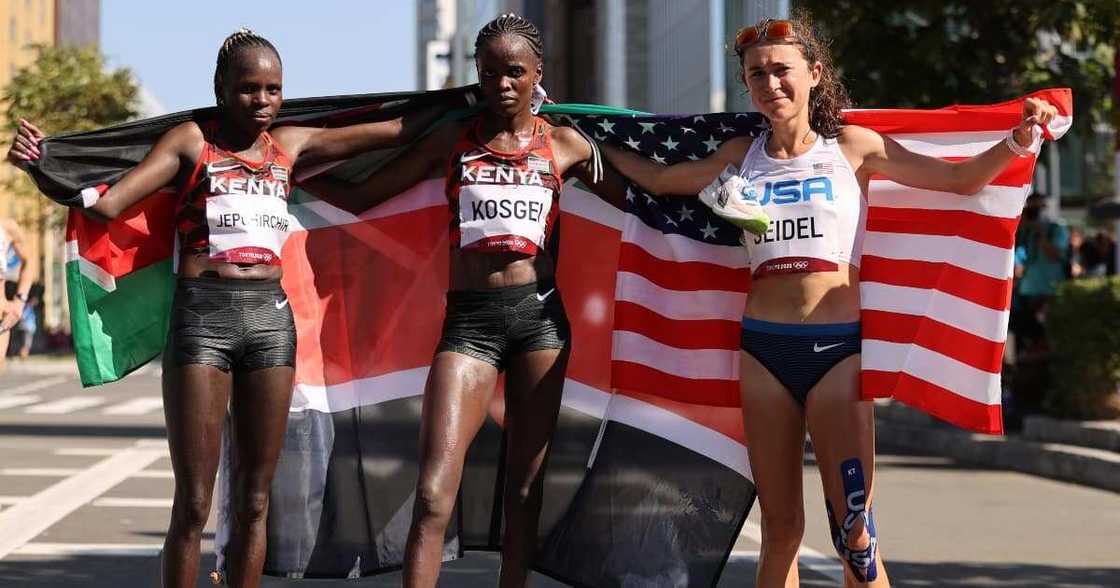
x=14 y=401
x=26 y=520
x=33 y=386
x=71 y=549
x=63 y=472
x=107 y=501
x=87 y=451
x=113 y=501
x=152 y=443
x=136 y=406
x=39 y=472
x=160 y=474
x=807 y=557
x=66 y=405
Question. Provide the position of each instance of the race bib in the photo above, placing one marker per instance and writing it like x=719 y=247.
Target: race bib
x=800 y=238
x=506 y=216
x=247 y=229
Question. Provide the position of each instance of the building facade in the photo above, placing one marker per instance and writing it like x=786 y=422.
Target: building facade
x=445 y=32
x=652 y=55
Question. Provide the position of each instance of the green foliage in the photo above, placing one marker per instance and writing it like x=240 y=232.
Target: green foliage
x=1083 y=325
x=69 y=89
x=932 y=53
x=64 y=89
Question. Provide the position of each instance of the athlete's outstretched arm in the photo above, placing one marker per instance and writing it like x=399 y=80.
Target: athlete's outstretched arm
x=576 y=156
x=182 y=144
x=686 y=178
x=883 y=155
x=310 y=145
x=419 y=162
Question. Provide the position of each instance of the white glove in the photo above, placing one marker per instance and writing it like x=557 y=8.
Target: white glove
x=734 y=200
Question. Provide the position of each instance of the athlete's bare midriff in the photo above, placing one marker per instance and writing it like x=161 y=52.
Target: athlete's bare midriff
x=814 y=298
x=478 y=270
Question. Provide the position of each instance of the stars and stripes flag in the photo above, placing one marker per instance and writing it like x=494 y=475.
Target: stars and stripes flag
x=936 y=270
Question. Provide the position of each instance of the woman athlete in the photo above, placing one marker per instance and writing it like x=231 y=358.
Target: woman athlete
x=232 y=337
x=801 y=334
x=505 y=169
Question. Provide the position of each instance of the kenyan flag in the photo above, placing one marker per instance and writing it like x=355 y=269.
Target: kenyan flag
x=119 y=282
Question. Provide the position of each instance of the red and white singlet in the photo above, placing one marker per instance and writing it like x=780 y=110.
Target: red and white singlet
x=236 y=209
x=500 y=201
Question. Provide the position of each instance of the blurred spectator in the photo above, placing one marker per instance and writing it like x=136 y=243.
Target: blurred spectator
x=1077 y=249
x=1042 y=262
x=19 y=267
x=29 y=322
x=1098 y=255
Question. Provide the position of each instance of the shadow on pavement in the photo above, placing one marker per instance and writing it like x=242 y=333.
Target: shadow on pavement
x=999 y=575
x=83 y=430
x=479 y=570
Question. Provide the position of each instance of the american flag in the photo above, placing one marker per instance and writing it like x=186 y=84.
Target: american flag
x=682 y=276
x=935 y=273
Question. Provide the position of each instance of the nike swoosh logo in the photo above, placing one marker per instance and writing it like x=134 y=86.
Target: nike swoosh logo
x=817 y=348
x=465 y=158
x=541 y=297
x=281 y=304
x=213 y=169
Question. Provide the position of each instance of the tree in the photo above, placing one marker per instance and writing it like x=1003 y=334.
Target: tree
x=65 y=89
x=931 y=53
x=70 y=89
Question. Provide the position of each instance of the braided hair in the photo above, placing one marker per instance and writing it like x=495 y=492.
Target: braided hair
x=511 y=24
x=235 y=44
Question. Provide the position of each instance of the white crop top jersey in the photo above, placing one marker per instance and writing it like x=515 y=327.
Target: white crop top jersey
x=816 y=208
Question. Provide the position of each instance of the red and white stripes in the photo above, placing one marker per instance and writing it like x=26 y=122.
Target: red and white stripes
x=936 y=273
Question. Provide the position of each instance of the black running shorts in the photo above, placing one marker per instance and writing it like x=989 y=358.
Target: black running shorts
x=496 y=324
x=231 y=324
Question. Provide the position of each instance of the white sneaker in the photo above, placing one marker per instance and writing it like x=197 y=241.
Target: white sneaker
x=735 y=200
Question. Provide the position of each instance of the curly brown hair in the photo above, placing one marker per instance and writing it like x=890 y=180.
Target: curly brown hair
x=830 y=97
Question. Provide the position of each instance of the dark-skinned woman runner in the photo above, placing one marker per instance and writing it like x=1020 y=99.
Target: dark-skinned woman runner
x=505 y=168
x=801 y=348
x=232 y=337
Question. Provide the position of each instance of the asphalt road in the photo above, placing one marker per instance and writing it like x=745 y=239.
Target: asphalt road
x=85 y=495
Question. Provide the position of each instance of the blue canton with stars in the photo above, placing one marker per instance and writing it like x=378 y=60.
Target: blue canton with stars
x=668 y=140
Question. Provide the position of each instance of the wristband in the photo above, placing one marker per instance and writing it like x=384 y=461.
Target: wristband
x=1021 y=151
x=92 y=194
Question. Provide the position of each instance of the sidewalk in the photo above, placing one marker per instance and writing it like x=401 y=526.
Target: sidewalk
x=1080 y=452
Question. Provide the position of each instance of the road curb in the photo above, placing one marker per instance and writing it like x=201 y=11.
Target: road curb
x=1098 y=434
x=901 y=427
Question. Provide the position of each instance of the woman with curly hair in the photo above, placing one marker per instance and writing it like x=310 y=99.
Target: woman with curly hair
x=800 y=188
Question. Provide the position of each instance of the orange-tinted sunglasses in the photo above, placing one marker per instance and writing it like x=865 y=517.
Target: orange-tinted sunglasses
x=772 y=30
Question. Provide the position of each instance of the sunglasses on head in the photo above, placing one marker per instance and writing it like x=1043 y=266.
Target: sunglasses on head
x=771 y=30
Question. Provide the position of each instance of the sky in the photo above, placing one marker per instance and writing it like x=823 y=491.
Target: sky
x=338 y=47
